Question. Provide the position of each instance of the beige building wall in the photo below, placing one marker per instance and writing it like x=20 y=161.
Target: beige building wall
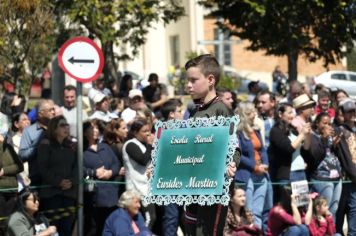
x=156 y=55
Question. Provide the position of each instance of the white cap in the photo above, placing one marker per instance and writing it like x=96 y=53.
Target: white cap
x=98 y=97
x=135 y=93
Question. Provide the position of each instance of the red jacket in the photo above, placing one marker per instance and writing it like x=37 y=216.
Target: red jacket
x=326 y=228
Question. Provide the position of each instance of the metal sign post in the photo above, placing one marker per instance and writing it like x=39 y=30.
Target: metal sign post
x=80 y=224
x=83 y=60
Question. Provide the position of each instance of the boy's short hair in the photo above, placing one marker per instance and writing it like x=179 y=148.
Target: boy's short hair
x=170 y=106
x=207 y=64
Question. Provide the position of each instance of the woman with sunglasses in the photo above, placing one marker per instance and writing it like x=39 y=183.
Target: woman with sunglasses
x=26 y=221
x=58 y=168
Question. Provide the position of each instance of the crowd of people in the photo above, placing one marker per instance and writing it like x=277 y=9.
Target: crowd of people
x=282 y=140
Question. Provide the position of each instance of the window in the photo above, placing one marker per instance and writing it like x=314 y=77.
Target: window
x=352 y=77
x=226 y=47
x=339 y=76
x=174 y=44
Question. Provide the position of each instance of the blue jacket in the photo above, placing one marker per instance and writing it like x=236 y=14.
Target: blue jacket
x=119 y=224
x=106 y=195
x=247 y=160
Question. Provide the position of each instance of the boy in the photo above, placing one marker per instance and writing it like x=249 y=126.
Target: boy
x=203 y=74
x=171 y=110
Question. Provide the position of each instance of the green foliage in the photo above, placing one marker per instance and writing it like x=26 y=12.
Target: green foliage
x=315 y=29
x=351 y=60
x=119 y=22
x=227 y=81
x=26 y=27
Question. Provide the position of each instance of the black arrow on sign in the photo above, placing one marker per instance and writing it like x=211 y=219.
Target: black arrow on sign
x=72 y=60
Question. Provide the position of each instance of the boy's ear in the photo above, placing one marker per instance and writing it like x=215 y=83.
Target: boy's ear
x=171 y=115
x=212 y=80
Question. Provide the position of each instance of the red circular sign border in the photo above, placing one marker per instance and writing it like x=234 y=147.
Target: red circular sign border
x=87 y=40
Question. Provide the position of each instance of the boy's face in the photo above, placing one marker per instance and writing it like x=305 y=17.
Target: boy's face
x=177 y=114
x=198 y=85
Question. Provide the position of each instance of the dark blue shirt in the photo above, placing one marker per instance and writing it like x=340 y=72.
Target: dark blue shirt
x=106 y=193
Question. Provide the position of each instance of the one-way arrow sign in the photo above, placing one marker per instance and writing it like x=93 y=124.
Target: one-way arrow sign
x=81 y=58
x=72 y=60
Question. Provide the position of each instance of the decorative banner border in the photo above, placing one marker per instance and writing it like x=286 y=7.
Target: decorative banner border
x=219 y=126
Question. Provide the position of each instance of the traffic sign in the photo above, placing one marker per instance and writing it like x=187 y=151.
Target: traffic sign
x=81 y=58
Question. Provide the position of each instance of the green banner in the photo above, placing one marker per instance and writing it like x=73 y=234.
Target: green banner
x=190 y=159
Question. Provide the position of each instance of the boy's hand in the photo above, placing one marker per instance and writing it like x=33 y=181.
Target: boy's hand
x=231 y=169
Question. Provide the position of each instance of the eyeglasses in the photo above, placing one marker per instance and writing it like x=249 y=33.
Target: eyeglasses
x=49 y=109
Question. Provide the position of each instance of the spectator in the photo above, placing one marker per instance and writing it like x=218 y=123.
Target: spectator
x=339 y=96
x=58 y=167
x=277 y=76
x=155 y=94
x=339 y=118
x=323 y=165
x=266 y=103
x=70 y=109
x=137 y=156
x=100 y=163
x=171 y=110
x=239 y=220
x=117 y=105
x=10 y=166
x=99 y=87
x=136 y=104
x=125 y=86
x=235 y=100
x=295 y=90
x=304 y=107
x=322 y=222
x=226 y=97
x=253 y=167
x=147 y=114
x=19 y=122
x=26 y=220
x=285 y=218
x=115 y=134
x=11 y=103
x=102 y=108
x=324 y=104
x=32 y=136
x=127 y=219
x=284 y=150
x=347 y=204
x=253 y=89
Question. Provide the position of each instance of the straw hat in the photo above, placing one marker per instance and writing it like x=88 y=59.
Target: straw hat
x=302 y=101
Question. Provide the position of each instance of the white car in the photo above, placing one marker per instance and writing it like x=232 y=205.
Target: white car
x=345 y=80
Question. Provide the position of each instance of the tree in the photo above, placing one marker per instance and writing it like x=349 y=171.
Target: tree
x=119 y=22
x=316 y=29
x=26 y=27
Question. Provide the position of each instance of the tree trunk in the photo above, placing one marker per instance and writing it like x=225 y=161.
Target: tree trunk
x=292 y=65
x=110 y=67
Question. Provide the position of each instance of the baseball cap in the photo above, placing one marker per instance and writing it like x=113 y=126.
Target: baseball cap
x=348 y=105
x=135 y=93
x=98 y=97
